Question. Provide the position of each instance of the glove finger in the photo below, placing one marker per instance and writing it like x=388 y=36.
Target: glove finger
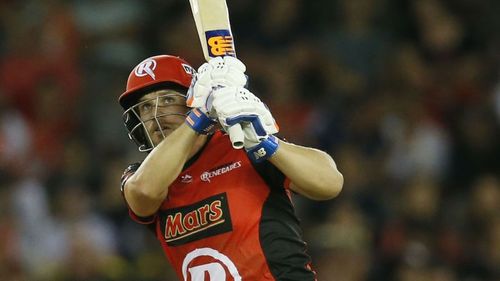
x=204 y=78
x=266 y=119
x=216 y=62
x=209 y=107
x=265 y=114
x=224 y=91
x=219 y=70
x=243 y=118
x=250 y=135
x=271 y=126
x=232 y=109
x=245 y=95
x=190 y=96
x=223 y=99
x=271 y=130
x=258 y=127
x=198 y=96
x=200 y=87
x=235 y=78
x=253 y=119
x=233 y=62
x=206 y=67
x=236 y=135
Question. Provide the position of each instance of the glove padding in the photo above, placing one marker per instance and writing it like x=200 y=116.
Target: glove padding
x=218 y=72
x=237 y=106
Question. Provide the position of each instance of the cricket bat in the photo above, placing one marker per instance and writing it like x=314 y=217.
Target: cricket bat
x=214 y=30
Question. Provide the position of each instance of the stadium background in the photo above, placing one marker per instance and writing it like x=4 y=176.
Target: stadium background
x=404 y=94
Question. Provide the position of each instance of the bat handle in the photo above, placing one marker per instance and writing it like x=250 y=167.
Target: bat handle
x=236 y=135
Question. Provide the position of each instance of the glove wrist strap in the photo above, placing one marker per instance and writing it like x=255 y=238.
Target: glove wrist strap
x=199 y=121
x=264 y=150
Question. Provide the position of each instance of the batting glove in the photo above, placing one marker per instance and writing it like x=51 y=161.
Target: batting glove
x=239 y=107
x=218 y=72
x=259 y=148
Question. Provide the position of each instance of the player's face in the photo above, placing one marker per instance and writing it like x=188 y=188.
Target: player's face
x=162 y=112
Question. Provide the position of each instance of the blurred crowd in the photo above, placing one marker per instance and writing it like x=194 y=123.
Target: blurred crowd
x=404 y=94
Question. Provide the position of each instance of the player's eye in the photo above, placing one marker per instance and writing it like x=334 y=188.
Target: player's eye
x=167 y=100
x=145 y=107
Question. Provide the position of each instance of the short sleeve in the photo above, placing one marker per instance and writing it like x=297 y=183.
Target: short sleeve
x=272 y=175
x=131 y=169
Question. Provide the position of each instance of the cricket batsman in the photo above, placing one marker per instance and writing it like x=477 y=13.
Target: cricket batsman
x=219 y=213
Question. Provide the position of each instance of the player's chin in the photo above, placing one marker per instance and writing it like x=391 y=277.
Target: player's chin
x=159 y=136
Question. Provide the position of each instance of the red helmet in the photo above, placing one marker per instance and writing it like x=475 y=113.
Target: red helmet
x=154 y=70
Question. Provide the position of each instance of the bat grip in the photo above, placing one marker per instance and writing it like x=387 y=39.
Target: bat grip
x=236 y=135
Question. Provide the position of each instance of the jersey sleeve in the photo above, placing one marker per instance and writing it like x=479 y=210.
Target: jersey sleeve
x=272 y=175
x=131 y=169
x=280 y=233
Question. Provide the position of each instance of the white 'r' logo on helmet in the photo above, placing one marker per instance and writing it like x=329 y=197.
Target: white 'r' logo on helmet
x=146 y=68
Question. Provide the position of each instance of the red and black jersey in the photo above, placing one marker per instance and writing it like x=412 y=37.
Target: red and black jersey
x=226 y=218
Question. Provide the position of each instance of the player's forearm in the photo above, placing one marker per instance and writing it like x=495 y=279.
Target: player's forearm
x=313 y=173
x=148 y=187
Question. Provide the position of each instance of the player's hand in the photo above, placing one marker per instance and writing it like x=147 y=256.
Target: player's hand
x=239 y=108
x=218 y=72
x=258 y=148
x=238 y=105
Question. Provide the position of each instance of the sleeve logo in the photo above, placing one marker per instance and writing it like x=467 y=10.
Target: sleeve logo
x=220 y=43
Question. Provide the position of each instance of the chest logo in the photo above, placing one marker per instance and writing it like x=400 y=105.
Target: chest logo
x=226 y=168
x=202 y=219
x=206 y=264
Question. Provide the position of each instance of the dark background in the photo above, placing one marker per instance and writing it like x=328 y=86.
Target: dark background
x=405 y=95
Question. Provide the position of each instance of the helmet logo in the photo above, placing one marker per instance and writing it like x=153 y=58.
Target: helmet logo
x=146 y=68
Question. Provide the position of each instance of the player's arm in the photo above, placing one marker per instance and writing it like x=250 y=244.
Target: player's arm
x=312 y=172
x=146 y=189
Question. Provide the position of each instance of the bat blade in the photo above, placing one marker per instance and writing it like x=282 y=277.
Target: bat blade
x=214 y=30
